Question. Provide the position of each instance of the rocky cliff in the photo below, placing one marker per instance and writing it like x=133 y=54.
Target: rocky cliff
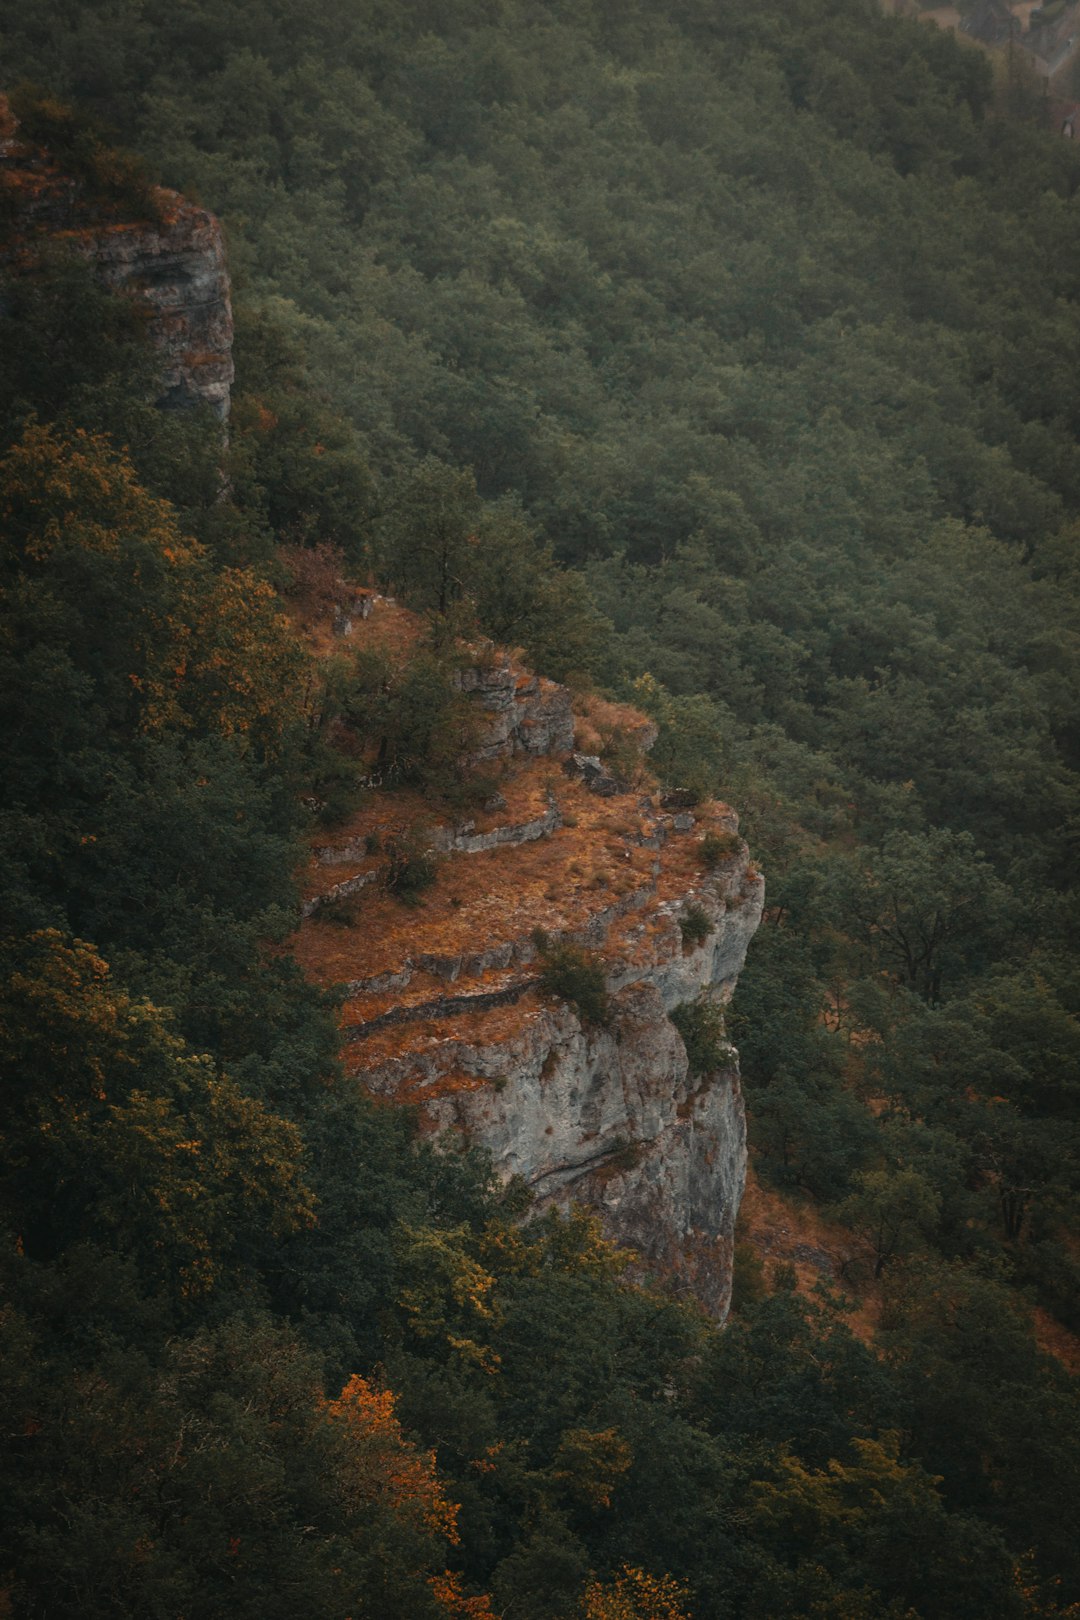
x=167 y=255
x=446 y=1003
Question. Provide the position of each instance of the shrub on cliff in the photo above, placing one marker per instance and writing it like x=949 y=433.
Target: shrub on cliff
x=410 y=866
x=701 y=1025
x=418 y=726
x=574 y=975
x=694 y=925
x=716 y=848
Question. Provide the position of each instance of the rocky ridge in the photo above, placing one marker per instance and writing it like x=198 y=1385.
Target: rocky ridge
x=445 y=1006
x=171 y=264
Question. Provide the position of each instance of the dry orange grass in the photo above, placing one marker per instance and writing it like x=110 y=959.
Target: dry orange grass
x=480 y=901
x=596 y=719
x=790 y=1230
x=440 y=1039
x=389 y=628
x=592 y=865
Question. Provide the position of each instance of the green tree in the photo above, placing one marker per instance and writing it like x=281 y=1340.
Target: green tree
x=927 y=907
x=114 y=1130
x=895 y=1210
x=428 y=534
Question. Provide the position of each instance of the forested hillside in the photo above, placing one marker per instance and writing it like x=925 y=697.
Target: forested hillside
x=732 y=358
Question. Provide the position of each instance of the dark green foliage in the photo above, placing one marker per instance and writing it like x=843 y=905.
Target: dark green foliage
x=426 y=536
x=1056 y=1276
x=574 y=975
x=928 y=909
x=701 y=1025
x=545 y=1574
x=694 y=926
x=74 y=355
x=298 y=462
x=413 y=722
x=68 y=345
x=812 y=1133
x=480 y=565
x=747 y=1278
x=717 y=847
x=410 y=867
x=342 y=912
x=965 y=1358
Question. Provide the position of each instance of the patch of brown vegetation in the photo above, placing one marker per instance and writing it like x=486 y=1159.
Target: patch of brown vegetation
x=558 y=883
x=1056 y=1339
x=440 y=1039
x=788 y=1229
x=391 y=629
x=597 y=720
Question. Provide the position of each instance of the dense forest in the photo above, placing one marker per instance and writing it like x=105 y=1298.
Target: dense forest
x=738 y=352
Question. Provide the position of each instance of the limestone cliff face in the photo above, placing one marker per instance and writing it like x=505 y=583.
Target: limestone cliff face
x=176 y=270
x=447 y=1010
x=520 y=713
x=172 y=265
x=611 y=1117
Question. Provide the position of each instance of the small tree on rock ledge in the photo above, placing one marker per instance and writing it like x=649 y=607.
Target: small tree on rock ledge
x=574 y=975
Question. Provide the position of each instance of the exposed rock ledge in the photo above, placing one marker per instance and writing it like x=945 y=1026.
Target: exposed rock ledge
x=445 y=1007
x=173 y=266
x=610 y=1117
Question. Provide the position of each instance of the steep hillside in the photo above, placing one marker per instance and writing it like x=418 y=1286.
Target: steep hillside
x=764 y=319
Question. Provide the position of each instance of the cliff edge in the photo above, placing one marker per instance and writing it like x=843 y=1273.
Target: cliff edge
x=449 y=1007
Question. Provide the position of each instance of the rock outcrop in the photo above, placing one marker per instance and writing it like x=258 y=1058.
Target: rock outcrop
x=519 y=713
x=171 y=264
x=446 y=1007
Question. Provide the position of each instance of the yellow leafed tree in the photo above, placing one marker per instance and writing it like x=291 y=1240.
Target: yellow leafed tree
x=634 y=1594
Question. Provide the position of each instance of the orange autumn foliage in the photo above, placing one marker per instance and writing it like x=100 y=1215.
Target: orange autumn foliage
x=382 y=1466
x=246 y=666
x=65 y=502
x=591 y=1463
x=197 y=647
x=106 y=1101
x=634 y=1594
x=449 y=1596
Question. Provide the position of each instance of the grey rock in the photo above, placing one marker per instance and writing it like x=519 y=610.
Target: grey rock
x=172 y=265
x=340 y=891
x=589 y=769
x=611 y=1117
x=520 y=713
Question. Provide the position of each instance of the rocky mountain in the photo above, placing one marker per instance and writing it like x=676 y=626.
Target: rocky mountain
x=448 y=1005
